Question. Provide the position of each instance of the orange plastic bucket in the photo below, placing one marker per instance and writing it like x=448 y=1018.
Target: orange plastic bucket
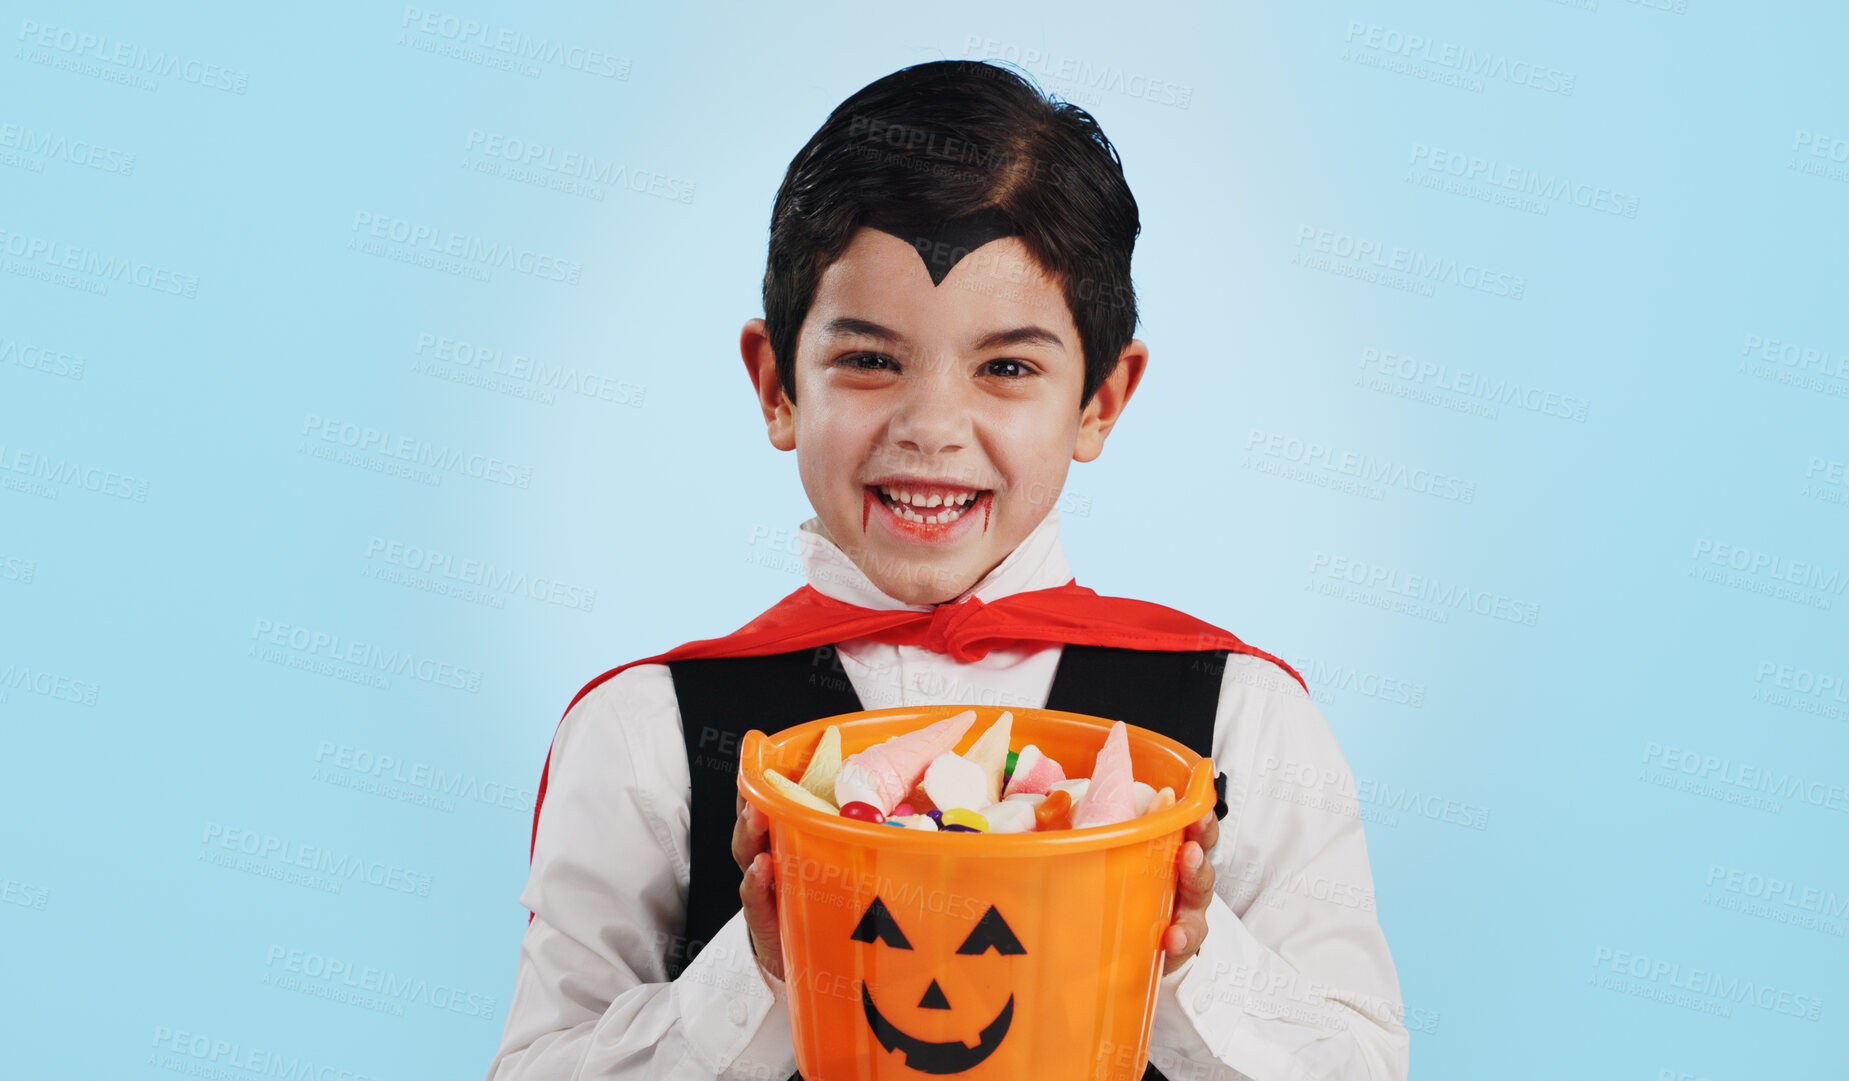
x=987 y=956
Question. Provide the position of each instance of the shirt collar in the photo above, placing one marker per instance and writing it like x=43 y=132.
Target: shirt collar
x=1038 y=562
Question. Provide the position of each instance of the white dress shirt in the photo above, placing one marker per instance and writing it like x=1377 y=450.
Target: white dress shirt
x=1293 y=980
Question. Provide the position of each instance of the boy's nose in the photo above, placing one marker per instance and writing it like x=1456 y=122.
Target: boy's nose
x=930 y=421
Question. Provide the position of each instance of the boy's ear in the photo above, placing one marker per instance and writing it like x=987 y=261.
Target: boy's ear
x=761 y=364
x=1108 y=401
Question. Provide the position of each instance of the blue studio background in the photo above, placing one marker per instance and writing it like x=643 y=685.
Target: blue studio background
x=1500 y=381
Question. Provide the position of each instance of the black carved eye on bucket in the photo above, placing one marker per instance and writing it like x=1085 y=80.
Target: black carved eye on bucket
x=878 y=926
x=991 y=933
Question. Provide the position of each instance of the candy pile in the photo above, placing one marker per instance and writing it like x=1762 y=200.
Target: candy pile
x=916 y=781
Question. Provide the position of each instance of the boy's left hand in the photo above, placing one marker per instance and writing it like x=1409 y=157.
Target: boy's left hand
x=1193 y=892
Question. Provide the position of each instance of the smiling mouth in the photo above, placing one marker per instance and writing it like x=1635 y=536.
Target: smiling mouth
x=924 y=511
x=927 y=504
x=950 y=1056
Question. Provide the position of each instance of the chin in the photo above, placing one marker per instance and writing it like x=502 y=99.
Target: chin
x=926 y=585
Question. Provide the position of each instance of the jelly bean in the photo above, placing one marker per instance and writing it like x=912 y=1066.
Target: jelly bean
x=893 y=822
x=1013 y=757
x=1055 y=811
x=961 y=829
x=963 y=816
x=903 y=810
x=935 y=815
x=865 y=812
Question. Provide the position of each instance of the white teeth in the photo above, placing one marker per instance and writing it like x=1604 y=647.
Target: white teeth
x=919 y=499
x=952 y=511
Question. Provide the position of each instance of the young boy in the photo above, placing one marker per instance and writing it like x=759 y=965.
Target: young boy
x=948 y=320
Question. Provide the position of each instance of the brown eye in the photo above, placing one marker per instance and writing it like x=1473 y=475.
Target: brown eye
x=991 y=933
x=1016 y=369
x=878 y=926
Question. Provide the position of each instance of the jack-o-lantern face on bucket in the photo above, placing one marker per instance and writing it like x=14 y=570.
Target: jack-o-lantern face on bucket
x=877 y=927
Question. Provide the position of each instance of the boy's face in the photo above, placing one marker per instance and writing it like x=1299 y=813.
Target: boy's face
x=936 y=422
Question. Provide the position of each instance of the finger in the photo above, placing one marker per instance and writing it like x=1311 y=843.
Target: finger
x=750 y=836
x=757 y=894
x=1206 y=830
x=1194 y=878
x=1181 y=941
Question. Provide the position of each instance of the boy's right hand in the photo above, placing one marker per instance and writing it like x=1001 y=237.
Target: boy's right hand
x=758 y=892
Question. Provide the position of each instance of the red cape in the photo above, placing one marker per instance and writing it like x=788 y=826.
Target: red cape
x=966 y=631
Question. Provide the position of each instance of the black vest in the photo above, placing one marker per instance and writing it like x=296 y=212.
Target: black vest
x=1174 y=693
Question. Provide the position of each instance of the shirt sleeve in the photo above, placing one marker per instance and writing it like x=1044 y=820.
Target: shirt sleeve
x=608 y=892
x=1293 y=980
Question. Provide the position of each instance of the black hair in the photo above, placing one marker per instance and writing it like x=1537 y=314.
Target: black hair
x=941 y=140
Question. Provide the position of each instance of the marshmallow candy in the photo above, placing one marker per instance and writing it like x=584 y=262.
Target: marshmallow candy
x=952 y=781
x=1010 y=816
x=1034 y=772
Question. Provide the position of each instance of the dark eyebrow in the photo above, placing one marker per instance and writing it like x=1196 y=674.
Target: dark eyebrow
x=1028 y=335
x=1021 y=336
x=865 y=328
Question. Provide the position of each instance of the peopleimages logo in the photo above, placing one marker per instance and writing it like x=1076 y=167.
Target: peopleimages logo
x=1513 y=178
x=33 y=466
x=81 y=152
x=132 y=58
x=291 y=968
x=46 y=258
x=432 y=564
x=1494 y=390
x=420 y=455
x=213 y=1056
x=1705 y=771
x=1461 y=59
x=573 y=165
x=530 y=378
x=20 y=677
x=364 y=662
x=1441 y=595
x=516 y=44
x=1815 y=585
x=1716 y=988
x=1419 y=267
x=1363 y=467
x=315 y=858
x=470 y=251
x=1775 y=890
x=423 y=776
